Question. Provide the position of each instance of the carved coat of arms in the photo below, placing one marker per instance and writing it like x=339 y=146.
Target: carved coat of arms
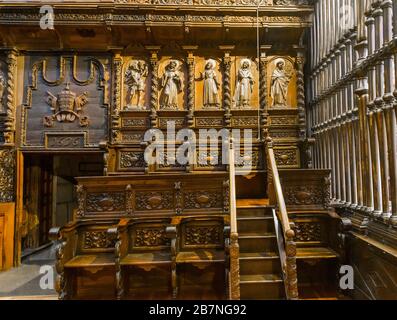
x=66 y=107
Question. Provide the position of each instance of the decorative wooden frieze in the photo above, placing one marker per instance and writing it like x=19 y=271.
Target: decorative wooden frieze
x=7 y=175
x=98 y=240
x=150 y=237
x=179 y=122
x=105 y=202
x=251 y=159
x=283 y=120
x=210 y=122
x=134 y=123
x=245 y=122
x=132 y=137
x=155 y=200
x=116 y=103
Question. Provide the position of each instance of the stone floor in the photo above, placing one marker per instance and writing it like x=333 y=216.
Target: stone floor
x=23 y=282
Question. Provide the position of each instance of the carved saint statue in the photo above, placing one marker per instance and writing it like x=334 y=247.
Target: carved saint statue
x=279 y=84
x=171 y=85
x=2 y=89
x=135 y=77
x=211 y=85
x=244 y=84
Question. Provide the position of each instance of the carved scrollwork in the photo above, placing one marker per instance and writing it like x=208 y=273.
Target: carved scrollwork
x=304 y=195
x=286 y=157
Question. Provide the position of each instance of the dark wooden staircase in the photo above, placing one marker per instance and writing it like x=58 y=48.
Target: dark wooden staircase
x=260 y=268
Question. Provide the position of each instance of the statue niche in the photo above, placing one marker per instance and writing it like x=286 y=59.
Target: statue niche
x=244 y=85
x=280 y=81
x=135 y=79
x=171 y=85
x=211 y=85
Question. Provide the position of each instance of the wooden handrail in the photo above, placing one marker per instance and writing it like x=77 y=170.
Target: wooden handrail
x=234 y=250
x=277 y=198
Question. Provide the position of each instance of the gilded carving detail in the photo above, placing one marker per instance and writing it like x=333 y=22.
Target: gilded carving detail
x=171 y=85
x=7 y=175
x=154 y=200
x=98 y=240
x=105 y=202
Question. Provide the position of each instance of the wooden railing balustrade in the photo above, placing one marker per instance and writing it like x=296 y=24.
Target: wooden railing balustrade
x=276 y=197
x=234 y=251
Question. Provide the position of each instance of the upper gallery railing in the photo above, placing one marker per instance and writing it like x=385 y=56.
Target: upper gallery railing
x=217 y=3
x=276 y=197
x=234 y=251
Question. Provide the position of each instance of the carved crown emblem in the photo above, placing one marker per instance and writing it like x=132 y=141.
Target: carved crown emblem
x=66 y=107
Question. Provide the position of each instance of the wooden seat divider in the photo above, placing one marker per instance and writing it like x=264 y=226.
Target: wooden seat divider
x=84 y=259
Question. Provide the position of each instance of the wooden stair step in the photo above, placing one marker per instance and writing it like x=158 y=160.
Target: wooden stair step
x=260 y=278
x=258 y=235
x=248 y=203
x=258 y=255
x=255 y=224
x=316 y=253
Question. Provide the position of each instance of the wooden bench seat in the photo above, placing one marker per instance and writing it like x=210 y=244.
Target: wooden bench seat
x=316 y=253
x=147 y=258
x=201 y=256
x=91 y=260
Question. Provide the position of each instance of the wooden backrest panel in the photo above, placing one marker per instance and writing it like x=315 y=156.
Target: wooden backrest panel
x=201 y=233
x=144 y=236
x=161 y=195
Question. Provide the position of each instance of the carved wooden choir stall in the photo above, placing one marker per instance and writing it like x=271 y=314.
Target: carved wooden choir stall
x=111 y=83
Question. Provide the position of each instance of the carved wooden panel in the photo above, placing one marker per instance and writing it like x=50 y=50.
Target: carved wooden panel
x=65 y=95
x=105 y=202
x=149 y=237
x=200 y=199
x=98 y=239
x=131 y=160
x=65 y=140
x=154 y=200
x=287 y=157
x=308 y=231
x=306 y=189
x=202 y=234
x=132 y=137
x=135 y=123
x=283 y=120
x=209 y=122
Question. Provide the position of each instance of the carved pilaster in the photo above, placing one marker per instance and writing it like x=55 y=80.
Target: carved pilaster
x=117 y=66
x=227 y=91
x=300 y=82
x=234 y=253
x=190 y=89
x=7 y=175
x=154 y=65
x=9 y=123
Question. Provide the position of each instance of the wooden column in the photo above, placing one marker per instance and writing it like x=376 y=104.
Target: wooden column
x=154 y=65
x=227 y=89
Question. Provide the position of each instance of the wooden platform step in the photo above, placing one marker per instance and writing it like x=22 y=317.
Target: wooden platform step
x=259 y=263
x=315 y=253
x=262 y=287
